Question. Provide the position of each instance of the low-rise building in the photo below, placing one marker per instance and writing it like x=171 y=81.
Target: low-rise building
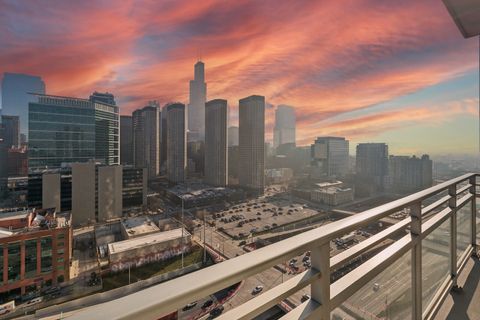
x=148 y=248
x=35 y=250
x=332 y=196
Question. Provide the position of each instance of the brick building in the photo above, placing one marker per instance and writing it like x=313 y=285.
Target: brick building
x=35 y=251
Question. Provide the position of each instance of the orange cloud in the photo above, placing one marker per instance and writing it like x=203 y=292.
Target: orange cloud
x=326 y=58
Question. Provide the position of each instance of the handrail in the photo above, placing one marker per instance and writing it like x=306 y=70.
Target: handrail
x=172 y=295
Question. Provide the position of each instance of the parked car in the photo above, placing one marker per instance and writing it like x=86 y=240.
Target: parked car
x=305 y=297
x=207 y=304
x=190 y=306
x=257 y=290
x=35 y=301
x=216 y=311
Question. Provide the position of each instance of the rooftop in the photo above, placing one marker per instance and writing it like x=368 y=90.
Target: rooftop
x=140 y=225
x=139 y=242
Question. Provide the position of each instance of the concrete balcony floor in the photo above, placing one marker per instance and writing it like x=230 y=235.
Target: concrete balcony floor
x=464 y=303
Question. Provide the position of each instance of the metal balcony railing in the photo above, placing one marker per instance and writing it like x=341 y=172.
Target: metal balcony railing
x=438 y=234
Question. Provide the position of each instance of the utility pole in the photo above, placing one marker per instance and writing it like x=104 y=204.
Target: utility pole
x=204 y=235
x=183 y=244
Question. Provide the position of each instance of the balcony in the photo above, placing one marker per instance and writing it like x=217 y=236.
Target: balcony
x=419 y=275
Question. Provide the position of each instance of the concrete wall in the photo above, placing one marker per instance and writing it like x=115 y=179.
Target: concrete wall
x=149 y=253
x=83 y=193
x=51 y=191
x=110 y=192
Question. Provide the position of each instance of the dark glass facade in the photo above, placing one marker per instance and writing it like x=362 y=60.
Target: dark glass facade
x=133 y=185
x=61 y=130
x=14 y=261
x=30 y=258
x=107 y=140
x=68 y=130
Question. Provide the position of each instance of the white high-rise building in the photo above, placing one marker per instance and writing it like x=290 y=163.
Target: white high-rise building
x=176 y=143
x=252 y=142
x=196 y=107
x=284 y=131
x=216 y=154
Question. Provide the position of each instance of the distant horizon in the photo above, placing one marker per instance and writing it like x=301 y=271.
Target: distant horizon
x=383 y=72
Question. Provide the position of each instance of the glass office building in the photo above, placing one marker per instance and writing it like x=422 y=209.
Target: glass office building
x=107 y=127
x=67 y=130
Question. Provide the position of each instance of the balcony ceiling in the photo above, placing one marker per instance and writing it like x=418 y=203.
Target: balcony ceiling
x=466 y=14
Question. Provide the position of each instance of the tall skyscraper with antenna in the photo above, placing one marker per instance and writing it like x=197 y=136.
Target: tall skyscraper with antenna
x=196 y=107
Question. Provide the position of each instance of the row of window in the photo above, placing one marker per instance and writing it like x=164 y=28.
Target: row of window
x=63 y=127
x=48 y=117
x=67 y=135
x=31 y=258
x=59 y=144
x=54 y=110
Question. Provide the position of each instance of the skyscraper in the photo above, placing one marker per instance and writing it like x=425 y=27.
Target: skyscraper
x=252 y=142
x=371 y=167
x=196 y=107
x=67 y=130
x=163 y=139
x=176 y=143
x=11 y=130
x=15 y=95
x=216 y=152
x=107 y=128
x=330 y=156
x=232 y=136
x=284 y=130
x=126 y=140
x=410 y=174
x=106 y=97
x=146 y=138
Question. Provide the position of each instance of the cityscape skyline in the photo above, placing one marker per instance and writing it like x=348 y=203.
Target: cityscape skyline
x=407 y=76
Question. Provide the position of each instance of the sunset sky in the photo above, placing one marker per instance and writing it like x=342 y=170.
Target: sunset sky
x=389 y=71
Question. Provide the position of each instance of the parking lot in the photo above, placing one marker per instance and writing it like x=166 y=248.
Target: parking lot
x=256 y=216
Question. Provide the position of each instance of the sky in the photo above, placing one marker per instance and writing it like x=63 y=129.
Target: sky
x=372 y=71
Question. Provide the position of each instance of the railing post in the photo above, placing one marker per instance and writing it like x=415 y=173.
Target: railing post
x=320 y=289
x=416 y=233
x=452 y=203
x=473 y=188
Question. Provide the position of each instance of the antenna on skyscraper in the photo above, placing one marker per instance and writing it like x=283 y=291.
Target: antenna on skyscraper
x=199 y=55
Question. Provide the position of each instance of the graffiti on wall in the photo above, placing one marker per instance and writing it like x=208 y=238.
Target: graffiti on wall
x=153 y=257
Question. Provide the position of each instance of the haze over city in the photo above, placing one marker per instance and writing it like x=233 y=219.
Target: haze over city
x=395 y=72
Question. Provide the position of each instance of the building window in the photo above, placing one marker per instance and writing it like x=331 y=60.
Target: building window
x=30 y=258
x=46 y=245
x=14 y=263
x=1 y=264
x=61 y=236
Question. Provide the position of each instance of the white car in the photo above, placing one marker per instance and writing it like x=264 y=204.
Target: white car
x=35 y=301
x=257 y=290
